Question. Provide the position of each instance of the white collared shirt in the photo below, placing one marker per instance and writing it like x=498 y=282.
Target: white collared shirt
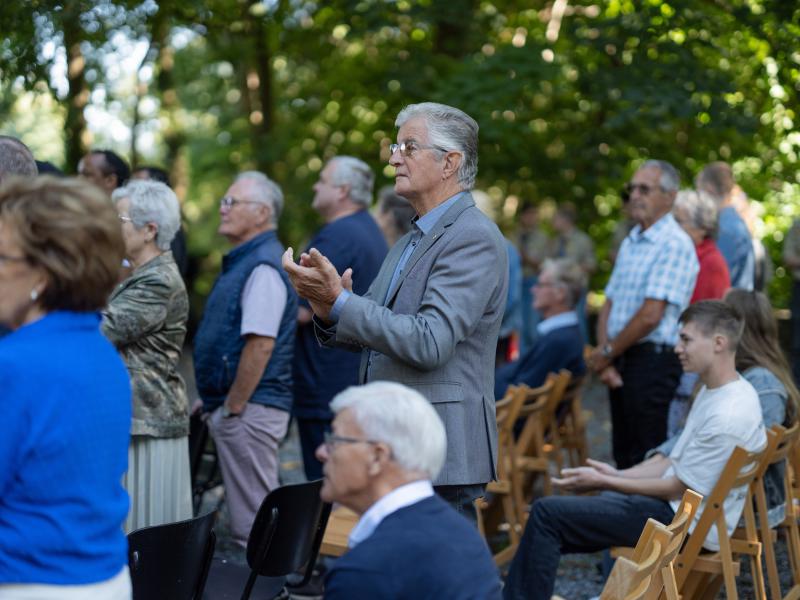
x=565 y=319
x=405 y=495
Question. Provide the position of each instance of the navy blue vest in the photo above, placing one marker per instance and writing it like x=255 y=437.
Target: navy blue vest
x=218 y=343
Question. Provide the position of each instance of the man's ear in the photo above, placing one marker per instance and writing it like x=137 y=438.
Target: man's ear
x=720 y=343
x=380 y=458
x=452 y=161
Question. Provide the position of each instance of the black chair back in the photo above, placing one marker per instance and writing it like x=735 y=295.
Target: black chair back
x=172 y=560
x=287 y=530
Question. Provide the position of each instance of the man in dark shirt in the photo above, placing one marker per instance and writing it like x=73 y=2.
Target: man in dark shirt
x=559 y=344
x=350 y=239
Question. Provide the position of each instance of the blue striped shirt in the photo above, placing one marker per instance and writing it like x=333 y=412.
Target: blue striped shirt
x=659 y=263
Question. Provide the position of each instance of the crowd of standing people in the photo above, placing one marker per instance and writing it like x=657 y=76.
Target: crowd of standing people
x=427 y=294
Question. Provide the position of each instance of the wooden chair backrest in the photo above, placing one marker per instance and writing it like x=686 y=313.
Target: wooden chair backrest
x=630 y=578
x=740 y=470
x=679 y=528
x=507 y=410
x=787 y=442
x=539 y=411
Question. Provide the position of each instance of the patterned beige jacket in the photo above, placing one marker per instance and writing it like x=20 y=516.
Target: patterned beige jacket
x=146 y=320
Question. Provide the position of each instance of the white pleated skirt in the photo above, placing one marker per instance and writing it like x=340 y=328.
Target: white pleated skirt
x=158 y=481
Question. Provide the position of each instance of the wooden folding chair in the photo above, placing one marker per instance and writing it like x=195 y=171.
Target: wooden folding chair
x=538 y=445
x=679 y=528
x=506 y=487
x=631 y=578
x=695 y=571
x=785 y=441
x=789 y=525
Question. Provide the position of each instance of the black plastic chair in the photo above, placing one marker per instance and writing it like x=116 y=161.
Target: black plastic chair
x=285 y=537
x=172 y=561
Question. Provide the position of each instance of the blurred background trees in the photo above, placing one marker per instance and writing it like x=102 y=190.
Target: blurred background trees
x=569 y=95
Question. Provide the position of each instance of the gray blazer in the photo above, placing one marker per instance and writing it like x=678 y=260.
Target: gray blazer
x=437 y=332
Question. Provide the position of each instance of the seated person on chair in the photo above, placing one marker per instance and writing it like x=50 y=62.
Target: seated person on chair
x=560 y=343
x=725 y=414
x=387 y=444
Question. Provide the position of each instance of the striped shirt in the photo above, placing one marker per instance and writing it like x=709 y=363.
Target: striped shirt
x=659 y=263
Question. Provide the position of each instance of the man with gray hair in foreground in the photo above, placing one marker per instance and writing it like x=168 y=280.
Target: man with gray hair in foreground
x=387 y=445
x=243 y=348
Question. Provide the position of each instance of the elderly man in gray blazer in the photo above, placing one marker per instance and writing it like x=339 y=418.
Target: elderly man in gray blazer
x=431 y=317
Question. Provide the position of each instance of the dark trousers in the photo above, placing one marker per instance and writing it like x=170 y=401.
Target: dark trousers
x=570 y=524
x=795 y=308
x=312 y=434
x=462 y=498
x=639 y=409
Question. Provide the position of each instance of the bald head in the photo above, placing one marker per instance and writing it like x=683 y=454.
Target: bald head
x=15 y=158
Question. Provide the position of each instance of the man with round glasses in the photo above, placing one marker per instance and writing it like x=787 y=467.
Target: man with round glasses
x=243 y=348
x=652 y=281
x=431 y=318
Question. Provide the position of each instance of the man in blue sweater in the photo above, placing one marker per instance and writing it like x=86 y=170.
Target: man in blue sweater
x=350 y=239
x=560 y=343
x=387 y=445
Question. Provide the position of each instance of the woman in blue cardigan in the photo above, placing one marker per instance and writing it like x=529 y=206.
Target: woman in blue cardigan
x=64 y=396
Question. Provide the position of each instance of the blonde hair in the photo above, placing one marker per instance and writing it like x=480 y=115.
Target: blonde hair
x=71 y=231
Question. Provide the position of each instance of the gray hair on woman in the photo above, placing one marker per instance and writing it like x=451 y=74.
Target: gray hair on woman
x=569 y=275
x=700 y=209
x=669 y=179
x=264 y=190
x=400 y=418
x=449 y=128
x=357 y=175
x=152 y=202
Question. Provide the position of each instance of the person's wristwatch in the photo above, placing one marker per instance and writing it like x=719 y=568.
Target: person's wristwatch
x=226 y=412
x=607 y=350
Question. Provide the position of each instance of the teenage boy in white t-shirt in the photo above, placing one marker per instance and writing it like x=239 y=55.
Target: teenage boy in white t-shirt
x=725 y=414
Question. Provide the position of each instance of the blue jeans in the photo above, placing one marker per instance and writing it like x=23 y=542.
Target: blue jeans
x=571 y=524
x=462 y=498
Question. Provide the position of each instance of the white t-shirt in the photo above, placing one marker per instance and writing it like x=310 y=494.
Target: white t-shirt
x=263 y=302
x=720 y=419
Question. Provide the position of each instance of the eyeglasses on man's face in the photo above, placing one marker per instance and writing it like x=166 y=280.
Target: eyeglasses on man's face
x=642 y=188
x=229 y=202
x=408 y=149
x=125 y=218
x=331 y=440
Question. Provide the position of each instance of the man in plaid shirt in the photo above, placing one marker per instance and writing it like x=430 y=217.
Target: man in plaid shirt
x=637 y=329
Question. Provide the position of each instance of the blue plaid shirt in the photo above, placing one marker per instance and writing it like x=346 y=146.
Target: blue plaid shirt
x=659 y=263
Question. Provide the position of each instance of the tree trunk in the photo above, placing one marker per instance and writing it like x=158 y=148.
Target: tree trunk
x=78 y=91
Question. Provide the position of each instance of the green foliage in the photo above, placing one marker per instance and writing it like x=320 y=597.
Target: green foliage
x=567 y=106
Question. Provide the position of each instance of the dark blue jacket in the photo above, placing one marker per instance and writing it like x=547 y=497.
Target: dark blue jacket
x=559 y=349
x=218 y=343
x=425 y=550
x=354 y=241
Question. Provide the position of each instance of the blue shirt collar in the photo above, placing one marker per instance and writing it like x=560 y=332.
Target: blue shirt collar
x=426 y=222
x=565 y=319
x=654 y=232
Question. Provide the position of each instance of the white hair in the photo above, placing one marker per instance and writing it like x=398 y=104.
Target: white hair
x=355 y=174
x=449 y=128
x=568 y=274
x=669 y=179
x=700 y=209
x=152 y=202
x=401 y=418
x=265 y=191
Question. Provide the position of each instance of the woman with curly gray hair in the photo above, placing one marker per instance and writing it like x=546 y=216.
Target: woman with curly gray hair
x=146 y=320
